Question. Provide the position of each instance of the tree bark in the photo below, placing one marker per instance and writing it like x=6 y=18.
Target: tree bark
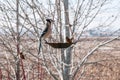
x=67 y=56
x=17 y=42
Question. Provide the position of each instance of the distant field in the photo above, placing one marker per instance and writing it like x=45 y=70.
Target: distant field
x=103 y=64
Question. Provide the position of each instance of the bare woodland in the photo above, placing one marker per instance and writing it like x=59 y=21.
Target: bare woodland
x=21 y=24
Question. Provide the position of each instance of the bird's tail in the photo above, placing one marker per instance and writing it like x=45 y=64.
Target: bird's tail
x=39 y=46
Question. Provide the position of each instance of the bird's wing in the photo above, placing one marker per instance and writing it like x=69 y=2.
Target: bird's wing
x=45 y=30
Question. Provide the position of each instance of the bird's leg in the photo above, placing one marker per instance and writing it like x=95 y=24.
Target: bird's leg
x=53 y=39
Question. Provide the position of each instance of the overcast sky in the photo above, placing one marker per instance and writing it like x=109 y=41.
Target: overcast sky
x=110 y=11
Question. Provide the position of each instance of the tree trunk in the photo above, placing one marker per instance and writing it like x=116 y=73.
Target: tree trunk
x=67 y=56
x=18 y=42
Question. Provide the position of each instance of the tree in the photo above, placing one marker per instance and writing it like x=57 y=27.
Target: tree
x=23 y=37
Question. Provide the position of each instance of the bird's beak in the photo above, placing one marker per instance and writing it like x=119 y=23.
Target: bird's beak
x=52 y=21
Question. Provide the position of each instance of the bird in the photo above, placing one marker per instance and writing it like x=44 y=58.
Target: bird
x=46 y=32
x=69 y=40
x=21 y=55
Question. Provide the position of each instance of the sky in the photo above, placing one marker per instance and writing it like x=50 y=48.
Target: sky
x=109 y=13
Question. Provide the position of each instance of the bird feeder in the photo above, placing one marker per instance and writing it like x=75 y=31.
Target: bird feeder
x=59 y=45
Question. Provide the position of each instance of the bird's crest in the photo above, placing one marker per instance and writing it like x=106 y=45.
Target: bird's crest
x=49 y=20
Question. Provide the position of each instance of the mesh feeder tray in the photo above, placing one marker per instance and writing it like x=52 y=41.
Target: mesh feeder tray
x=59 y=45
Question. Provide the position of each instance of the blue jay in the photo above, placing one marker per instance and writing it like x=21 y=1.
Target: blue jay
x=46 y=33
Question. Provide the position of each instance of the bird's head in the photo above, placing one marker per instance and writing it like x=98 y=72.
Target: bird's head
x=49 y=20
